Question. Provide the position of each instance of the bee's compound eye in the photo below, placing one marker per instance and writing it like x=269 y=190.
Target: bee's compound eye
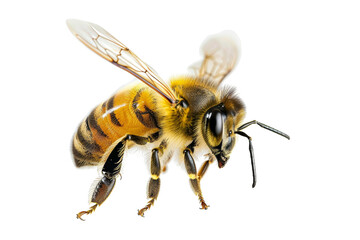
x=215 y=123
x=213 y=127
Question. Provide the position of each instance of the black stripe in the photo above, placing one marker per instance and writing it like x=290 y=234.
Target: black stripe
x=87 y=124
x=79 y=162
x=82 y=160
x=103 y=106
x=93 y=123
x=92 y=146
x=151 y=123
x=110 y=105
x=76 y=152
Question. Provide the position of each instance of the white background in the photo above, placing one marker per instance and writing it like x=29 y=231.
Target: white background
x=298 y=72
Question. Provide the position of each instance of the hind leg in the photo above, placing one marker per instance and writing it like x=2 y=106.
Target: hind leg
x=102 y=190
x=105 y=185
x=111 y=170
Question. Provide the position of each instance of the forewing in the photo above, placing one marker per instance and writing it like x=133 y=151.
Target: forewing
x=104 y=44
x=221 y=53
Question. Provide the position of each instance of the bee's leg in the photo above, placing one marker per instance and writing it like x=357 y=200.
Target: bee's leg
x=105 y=185
x=154 y=182
x=194 y=178
x=111 y=170
x=99 y=194
x=165 y=161
x=205 y=166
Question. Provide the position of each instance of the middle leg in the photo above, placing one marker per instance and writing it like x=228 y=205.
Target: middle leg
x=154 y=182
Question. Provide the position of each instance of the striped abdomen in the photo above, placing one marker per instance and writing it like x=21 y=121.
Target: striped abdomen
x=129 y=111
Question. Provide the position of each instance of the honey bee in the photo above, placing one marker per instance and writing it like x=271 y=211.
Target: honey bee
x=192 y=114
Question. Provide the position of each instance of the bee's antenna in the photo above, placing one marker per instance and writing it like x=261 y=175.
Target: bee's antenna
x=245 y=125
x=252 y=158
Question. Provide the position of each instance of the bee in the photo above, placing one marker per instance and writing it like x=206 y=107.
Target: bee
x=193 y=114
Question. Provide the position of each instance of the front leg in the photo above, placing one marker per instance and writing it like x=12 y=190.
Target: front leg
x=193 y=177
x=205 y=165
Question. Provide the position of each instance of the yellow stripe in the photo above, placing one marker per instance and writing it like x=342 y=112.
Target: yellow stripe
x=192 y=176
x=155 y=177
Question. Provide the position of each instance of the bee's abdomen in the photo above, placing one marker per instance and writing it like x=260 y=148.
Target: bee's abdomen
x=127 y=112
x=84 y=148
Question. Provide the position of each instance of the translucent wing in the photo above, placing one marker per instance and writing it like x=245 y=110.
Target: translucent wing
x=221 y=53
x=104 y=44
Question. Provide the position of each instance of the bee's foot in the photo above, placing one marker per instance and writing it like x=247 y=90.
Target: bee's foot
x=148 y=205
x=91 y=210
x=204 y=205
x=141 y=211
x=80 y=214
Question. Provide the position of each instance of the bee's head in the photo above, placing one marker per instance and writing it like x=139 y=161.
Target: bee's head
x=218 y=130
